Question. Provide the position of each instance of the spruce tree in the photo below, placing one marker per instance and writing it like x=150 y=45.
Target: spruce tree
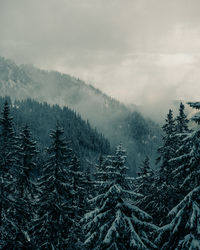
x=167 y=150
x=144 y=185
x=161 y=199
x=162 y=193
x=89 y=184
x=53 y=221
x=7 y=161
x=181 y=120
x=115 y=223
x=183 y=230
x=100 y=175
x=187 y=173
x=145 y=177
x=77 y=203
x=178 y=162
x=23 y=211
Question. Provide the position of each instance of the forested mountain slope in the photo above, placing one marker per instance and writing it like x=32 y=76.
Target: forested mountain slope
x=140 y=136
x=41 y=118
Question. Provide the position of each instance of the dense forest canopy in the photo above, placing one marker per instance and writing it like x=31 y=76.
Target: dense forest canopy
x=51 y=198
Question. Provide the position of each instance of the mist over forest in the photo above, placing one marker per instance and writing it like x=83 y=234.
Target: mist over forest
x=113 y=119
x=66 y=143
x=99 y=125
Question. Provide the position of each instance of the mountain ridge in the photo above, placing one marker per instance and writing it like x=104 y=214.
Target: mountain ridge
x=108 y=115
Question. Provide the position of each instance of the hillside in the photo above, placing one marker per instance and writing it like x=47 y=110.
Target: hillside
x=42 y=118
x=109 y=116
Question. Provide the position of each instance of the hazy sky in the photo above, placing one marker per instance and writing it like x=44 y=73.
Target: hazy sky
x=131 y=49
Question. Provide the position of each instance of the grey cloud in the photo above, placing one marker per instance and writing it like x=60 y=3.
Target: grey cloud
x=132 y=50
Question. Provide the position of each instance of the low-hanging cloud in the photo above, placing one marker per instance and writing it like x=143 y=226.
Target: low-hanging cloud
x=142 y=51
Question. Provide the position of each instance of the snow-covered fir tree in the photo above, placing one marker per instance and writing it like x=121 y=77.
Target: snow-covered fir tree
x=144 y=185
x=181 y=133
x=165 y=191
x=88 y=183
x=183 y=231
x=7 y=139
x=115 y=223
x=145 y=168
x=53 y=222
x=162 y=198
x=7 y=161
x=77 y=204
x=167 y=150
x=22 y=211
x=99 y=168
x=181 y=120
x=187 y=172
x=100 y=175
x=145 y=177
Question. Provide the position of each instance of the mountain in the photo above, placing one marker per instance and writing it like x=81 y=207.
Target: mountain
x=42 y=118
x=116 y=121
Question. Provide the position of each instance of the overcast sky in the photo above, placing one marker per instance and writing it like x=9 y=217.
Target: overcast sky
x=139 y=51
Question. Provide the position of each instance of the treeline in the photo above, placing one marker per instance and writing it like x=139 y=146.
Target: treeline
x=62 y=206
x=42 y=117
x=171 y=194
x=40 y=204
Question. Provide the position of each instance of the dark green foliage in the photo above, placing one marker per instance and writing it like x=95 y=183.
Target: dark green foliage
x=167 y=151
x=25 y=188
x=143 y=184
x=49 y=215
x=7 y=160
x=41 y=117
x=163 y=190
x=183 y=230
x=114 y=223
x=187 y=172
x=26 y=153
x=54 y=221
x=182 y=121
x=160 y=200
x=141 y=137
x=182 y=134
x=77 y=204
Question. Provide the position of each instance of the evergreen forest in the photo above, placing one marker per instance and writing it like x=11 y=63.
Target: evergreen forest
x=62 y=185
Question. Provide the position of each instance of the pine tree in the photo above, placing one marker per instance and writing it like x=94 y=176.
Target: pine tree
x=22 y=212
x=145 y=167
x=77 y=204
x=181 y=120
x=160 y=201
x=144 y=185
x=183 y=230
x=7 y=160
x=89 y=185
x=100 y=173
x=145 y=178
x=181 y=133
x=162 y=196
x=99 y=168
x=53 y=222
x=7 y=137
x=115 y=223
x=167 y=150
x=166 y=192
x=187 y=173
